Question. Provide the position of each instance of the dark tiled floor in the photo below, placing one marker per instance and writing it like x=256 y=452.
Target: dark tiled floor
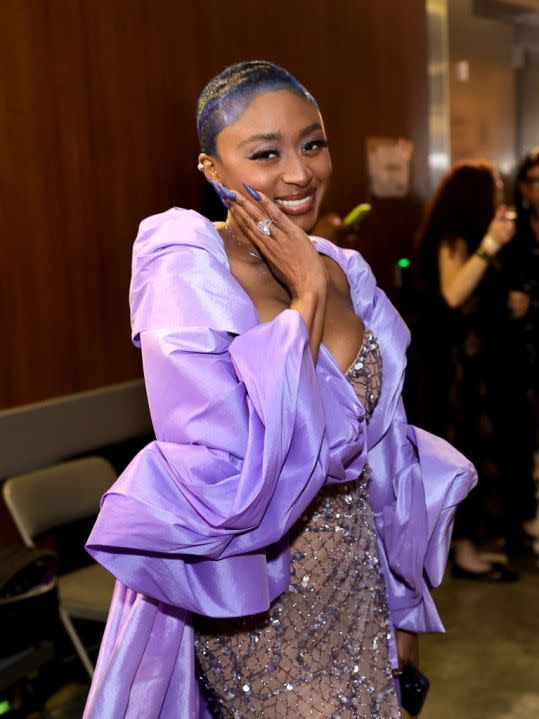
x=487 y=664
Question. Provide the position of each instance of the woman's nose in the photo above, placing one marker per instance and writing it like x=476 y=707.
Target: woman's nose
x=297 y=171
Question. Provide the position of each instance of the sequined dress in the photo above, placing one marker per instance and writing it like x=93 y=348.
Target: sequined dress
x=321 y=650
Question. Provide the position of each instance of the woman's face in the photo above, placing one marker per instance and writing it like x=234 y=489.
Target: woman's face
x=278 y=145
x=530 y=187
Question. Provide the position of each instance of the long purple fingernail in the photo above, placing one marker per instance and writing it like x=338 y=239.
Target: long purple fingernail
x=220 y=194
x=251 y=190
x=223 y=191
x=225 y=202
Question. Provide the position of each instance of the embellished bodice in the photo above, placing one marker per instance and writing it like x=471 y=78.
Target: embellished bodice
x=365 y=373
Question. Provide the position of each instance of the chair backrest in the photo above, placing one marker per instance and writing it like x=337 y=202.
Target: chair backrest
x=51 y=497
x=39 y=435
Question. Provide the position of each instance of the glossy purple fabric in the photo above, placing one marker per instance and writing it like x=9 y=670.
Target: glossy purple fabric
x=248 y=430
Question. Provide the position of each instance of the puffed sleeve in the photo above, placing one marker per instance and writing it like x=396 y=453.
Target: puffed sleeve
x=241 y=444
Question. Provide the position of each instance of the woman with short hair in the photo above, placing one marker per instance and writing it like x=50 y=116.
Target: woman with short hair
x=274 y=548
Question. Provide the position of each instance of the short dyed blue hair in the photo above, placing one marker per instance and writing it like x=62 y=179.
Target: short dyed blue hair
x=225 y=98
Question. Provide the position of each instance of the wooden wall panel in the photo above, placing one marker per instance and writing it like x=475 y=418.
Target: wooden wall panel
x=97 y=131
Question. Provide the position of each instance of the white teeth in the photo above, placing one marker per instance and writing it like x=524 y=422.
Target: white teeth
x=294 y=203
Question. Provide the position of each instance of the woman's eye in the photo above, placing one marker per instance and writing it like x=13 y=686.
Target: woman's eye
x=315 y=145
x=264 y=155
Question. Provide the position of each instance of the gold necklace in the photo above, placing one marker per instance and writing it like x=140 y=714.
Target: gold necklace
x=242 y=244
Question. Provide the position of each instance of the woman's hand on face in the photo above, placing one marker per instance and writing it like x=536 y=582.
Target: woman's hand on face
x=288 y=250
x=502 y=227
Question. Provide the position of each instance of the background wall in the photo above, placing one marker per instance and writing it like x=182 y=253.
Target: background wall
x=483 y=106
x=527 y=82
x=495 y=111
x=97 y=131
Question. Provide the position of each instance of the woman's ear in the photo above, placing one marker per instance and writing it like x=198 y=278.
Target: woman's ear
x=206 y=164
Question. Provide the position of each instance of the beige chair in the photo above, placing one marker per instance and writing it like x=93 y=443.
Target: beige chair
x=47 y=498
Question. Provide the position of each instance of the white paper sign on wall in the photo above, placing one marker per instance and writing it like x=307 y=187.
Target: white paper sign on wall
x=389 y=161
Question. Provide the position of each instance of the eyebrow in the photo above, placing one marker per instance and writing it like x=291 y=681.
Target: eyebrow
x=277 y=135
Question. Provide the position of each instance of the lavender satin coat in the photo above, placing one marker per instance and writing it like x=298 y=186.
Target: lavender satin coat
x=248 y=430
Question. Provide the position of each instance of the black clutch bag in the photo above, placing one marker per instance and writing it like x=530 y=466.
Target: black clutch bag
x=414 y=687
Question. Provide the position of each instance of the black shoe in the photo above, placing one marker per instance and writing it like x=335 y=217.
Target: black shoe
x=497 y=573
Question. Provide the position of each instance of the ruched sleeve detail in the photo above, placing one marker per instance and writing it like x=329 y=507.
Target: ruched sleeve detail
x=241 y=453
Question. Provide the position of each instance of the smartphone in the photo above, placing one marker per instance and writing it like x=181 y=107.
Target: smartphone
x=414 y=687
x=357 y=214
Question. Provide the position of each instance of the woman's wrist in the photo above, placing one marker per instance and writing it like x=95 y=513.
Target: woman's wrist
x=484 y=255
x=490 y=245
x=488 y=249
x=312 y=299
x=316 y=290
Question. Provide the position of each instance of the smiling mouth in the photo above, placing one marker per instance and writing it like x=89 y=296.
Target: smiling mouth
x=298 y=206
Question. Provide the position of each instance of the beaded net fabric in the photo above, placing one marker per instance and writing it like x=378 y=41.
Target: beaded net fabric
x=322 y=648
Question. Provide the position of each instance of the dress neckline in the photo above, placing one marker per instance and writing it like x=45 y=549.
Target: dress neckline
x=368 y=337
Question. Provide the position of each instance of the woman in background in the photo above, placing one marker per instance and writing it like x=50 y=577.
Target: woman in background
x=468 y=378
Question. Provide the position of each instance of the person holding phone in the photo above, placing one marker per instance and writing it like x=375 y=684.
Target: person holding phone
x=466 y=312
x=275 y=546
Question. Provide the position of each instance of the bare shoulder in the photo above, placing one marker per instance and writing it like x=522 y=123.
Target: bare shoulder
x=336 y=275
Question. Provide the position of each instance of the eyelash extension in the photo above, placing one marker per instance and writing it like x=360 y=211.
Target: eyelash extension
x=262 y=154
x=322 y=142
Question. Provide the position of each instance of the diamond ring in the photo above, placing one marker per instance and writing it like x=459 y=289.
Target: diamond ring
x=264 y=226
